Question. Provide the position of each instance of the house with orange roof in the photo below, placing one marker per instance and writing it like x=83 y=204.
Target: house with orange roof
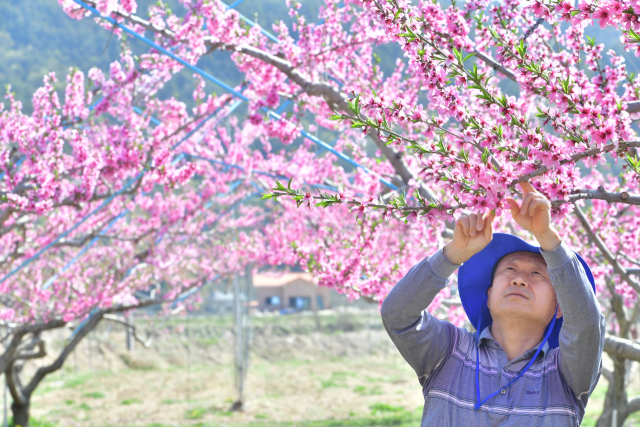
x=293 y=291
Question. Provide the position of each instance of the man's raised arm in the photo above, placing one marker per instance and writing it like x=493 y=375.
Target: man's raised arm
x=581 y=338
x=583 y=329
x=423 y=340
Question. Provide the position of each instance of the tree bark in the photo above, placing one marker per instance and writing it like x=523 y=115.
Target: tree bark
x=21 y=412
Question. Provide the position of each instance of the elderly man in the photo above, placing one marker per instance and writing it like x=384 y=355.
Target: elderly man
x=536 y=355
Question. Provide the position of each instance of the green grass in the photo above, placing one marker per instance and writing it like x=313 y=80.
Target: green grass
x=207 y=342
x=130 y=401
x=337 y=379
x=385 y=408
x=364 y=391
x=195 y=413
x=60 y=380
x=35 y=422
x=94 y=394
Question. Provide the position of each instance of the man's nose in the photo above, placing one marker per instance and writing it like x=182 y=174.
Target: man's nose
x=519 y=282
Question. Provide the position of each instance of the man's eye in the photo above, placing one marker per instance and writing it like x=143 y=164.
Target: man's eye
x=511 y=268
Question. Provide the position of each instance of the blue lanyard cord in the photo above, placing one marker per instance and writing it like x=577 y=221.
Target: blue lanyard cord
x=479 y=402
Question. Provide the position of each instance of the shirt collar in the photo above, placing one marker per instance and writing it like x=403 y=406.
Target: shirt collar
x=485 y=335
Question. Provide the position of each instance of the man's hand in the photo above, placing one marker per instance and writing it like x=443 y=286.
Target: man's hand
x=534 y=215
x=471 y=235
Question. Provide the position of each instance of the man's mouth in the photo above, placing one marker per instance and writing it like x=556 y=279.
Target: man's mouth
x=517 y=294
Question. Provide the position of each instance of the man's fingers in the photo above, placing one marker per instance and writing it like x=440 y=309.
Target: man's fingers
x=488 y=225
x=480 y=222
x=464 y=222
x=473 y=219
x=539 y=203
x=527 y=187
x=524 y=207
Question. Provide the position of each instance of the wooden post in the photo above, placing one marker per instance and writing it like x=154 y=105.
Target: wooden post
x=5 y=418
x=242 y=327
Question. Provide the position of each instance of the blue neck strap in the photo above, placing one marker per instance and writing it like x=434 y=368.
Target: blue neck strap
x=480 y=402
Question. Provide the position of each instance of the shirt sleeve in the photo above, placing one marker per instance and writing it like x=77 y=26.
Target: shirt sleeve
x=423 y=340
x=583 y=329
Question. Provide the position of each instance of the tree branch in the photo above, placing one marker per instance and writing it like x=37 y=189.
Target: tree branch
x=18 y=333
x=89 y=324
x=622 y=348
x=617 y=267
x=495 y=65
x=633 y=405
x=601 y=194
x=25 y=353
x=632 y=106
x=131 y=328
x=13 y=383
x=578 y=156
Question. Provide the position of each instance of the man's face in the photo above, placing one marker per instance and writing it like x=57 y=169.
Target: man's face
x=522 y=289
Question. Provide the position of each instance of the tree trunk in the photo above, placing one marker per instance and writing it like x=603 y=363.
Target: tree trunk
x=616 y=397
x=21 y=412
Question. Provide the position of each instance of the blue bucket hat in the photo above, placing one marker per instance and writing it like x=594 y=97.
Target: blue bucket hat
x=475 y=278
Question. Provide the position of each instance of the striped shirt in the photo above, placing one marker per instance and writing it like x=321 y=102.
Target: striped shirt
x=553 y=392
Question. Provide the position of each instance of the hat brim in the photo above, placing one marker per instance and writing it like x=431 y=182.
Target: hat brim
x=474 y=278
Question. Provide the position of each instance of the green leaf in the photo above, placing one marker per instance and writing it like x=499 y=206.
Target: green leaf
x=464 y=155
x=468 y=56
x=457 y=54
x=485 y=156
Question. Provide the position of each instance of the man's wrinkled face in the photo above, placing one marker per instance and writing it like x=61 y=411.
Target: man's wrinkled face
x=522 y=289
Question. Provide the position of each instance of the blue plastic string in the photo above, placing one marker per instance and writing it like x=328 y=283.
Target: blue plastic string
x=153 y=120
x=231 y=90
x=284 y=105
x=84 y=249
x=479 y=402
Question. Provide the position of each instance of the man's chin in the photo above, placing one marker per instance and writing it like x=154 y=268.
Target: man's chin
x=520 y=309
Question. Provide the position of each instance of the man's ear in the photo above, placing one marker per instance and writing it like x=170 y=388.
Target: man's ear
x=559 y=315
x=488 y=295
